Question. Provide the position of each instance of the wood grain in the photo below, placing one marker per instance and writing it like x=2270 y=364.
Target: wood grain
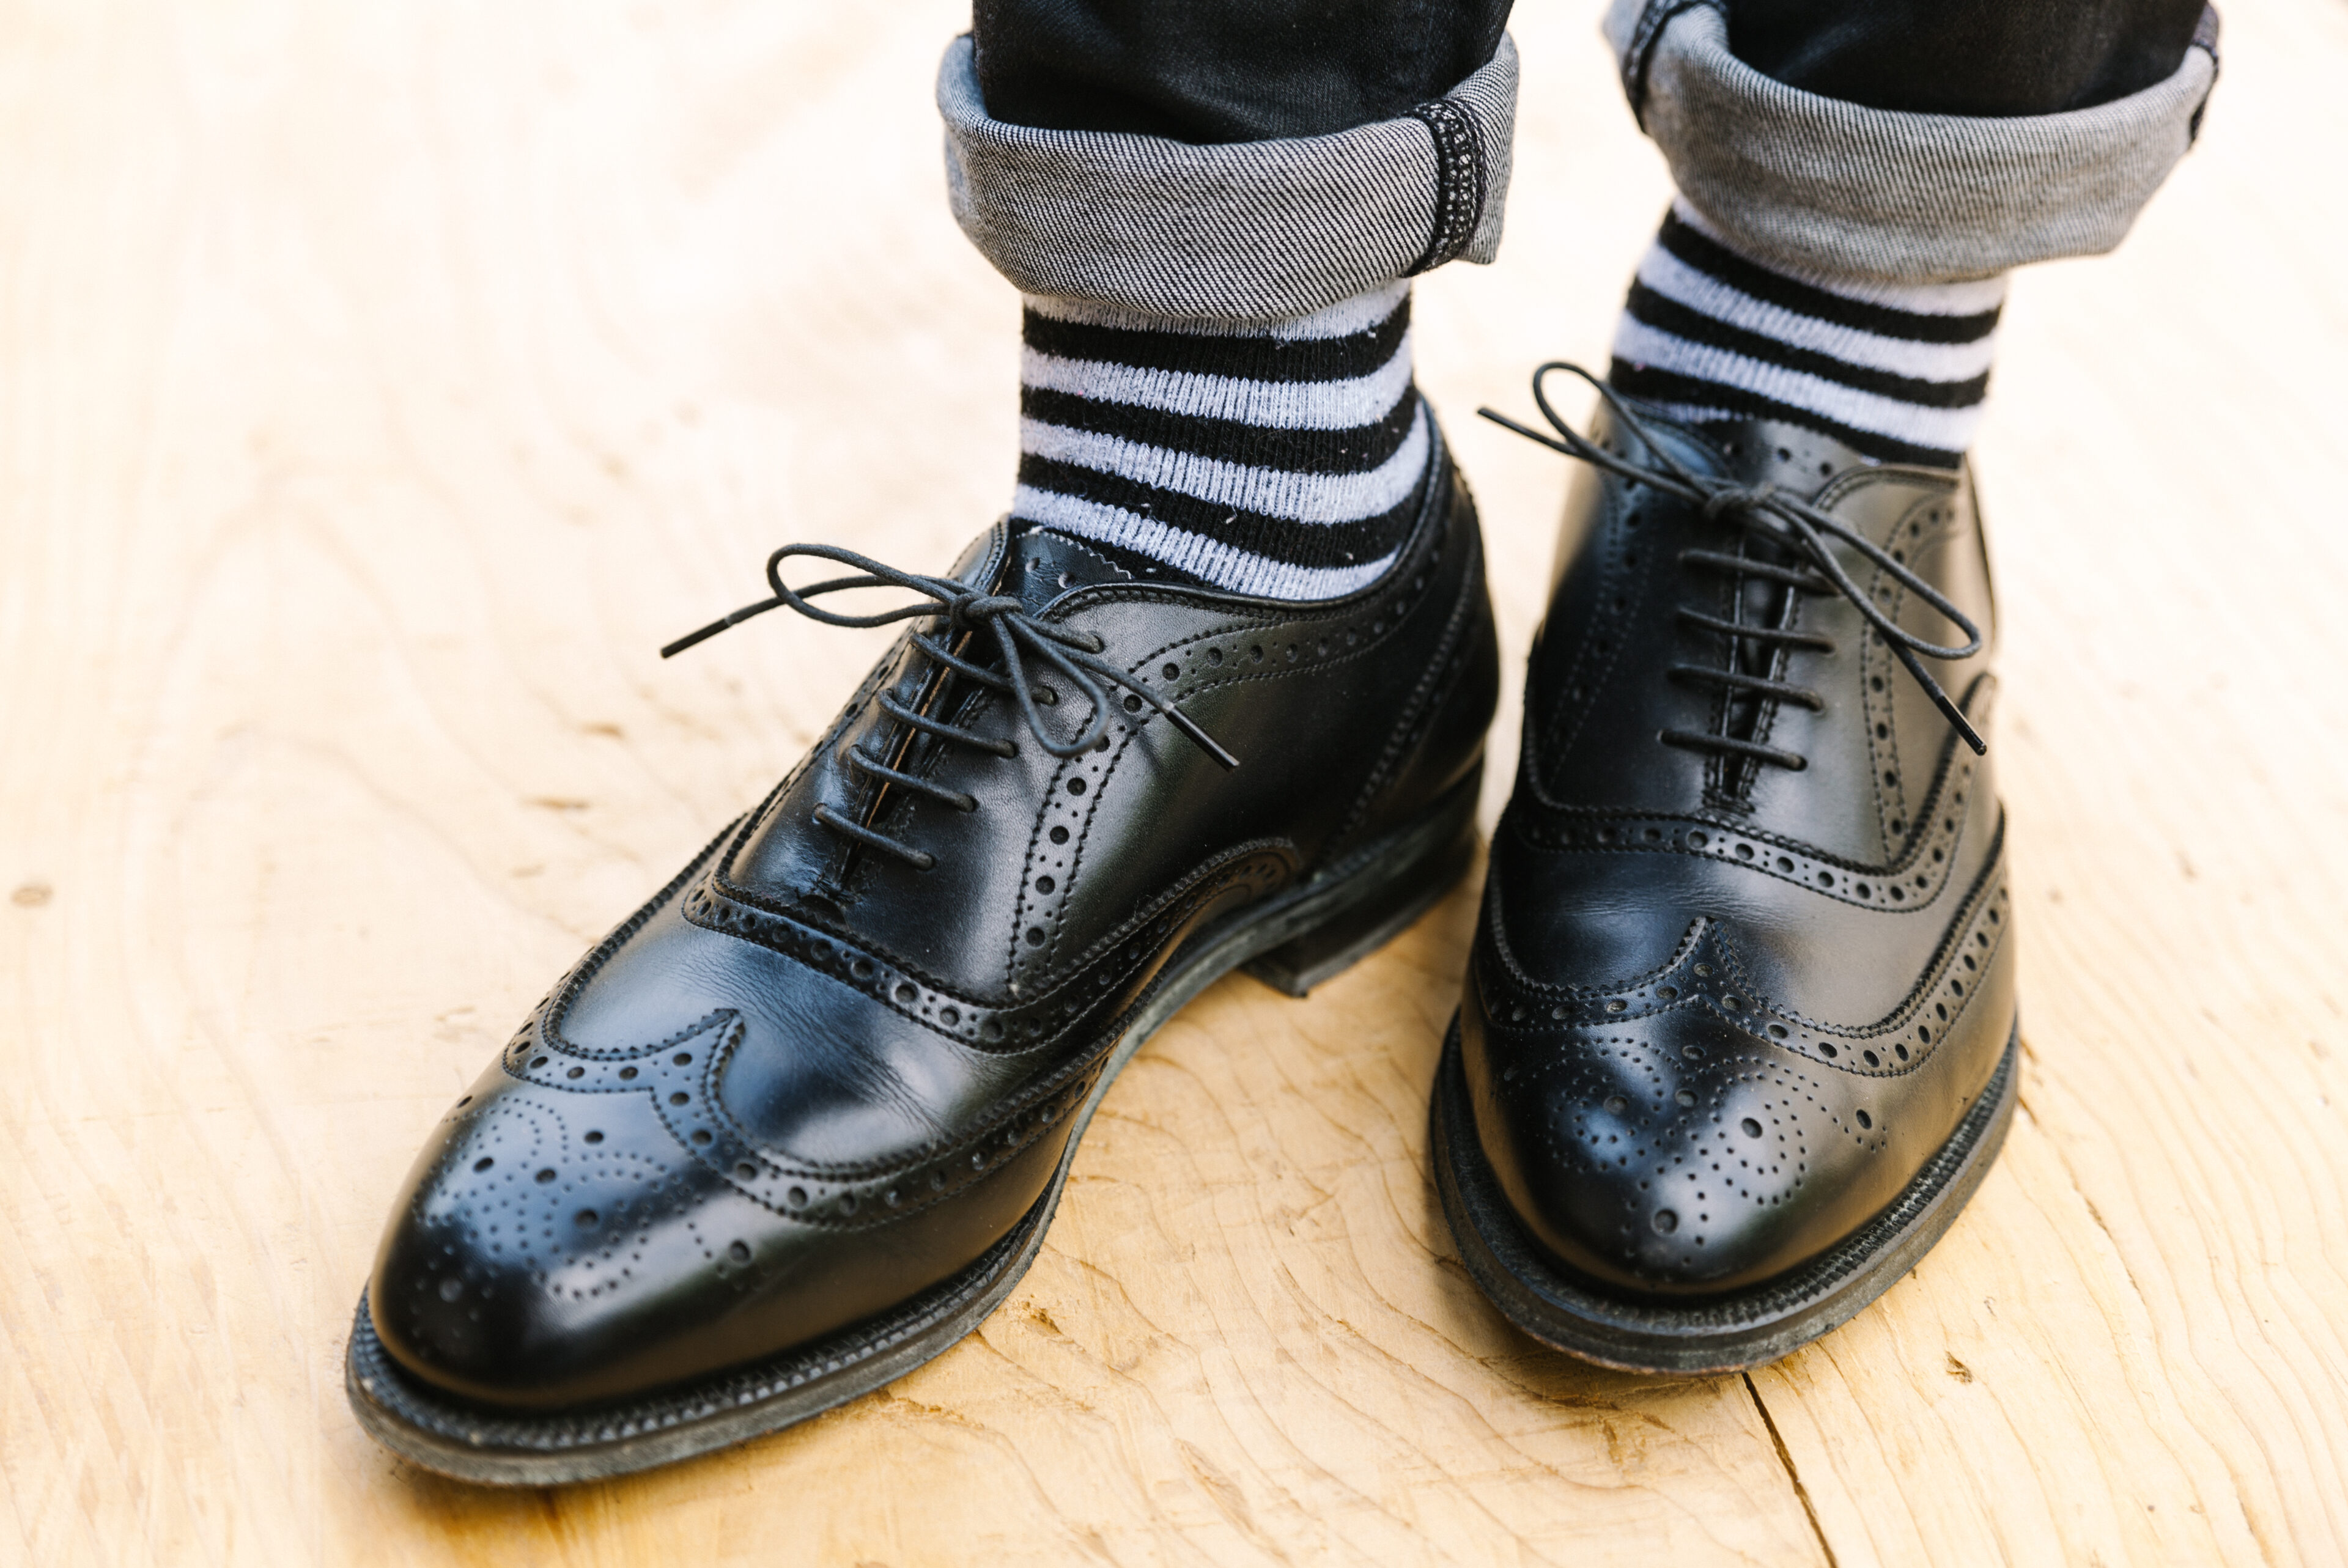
x=380 y=386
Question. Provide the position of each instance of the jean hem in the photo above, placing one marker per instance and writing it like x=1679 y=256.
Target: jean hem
x=1257 y=230
x=1813 y=184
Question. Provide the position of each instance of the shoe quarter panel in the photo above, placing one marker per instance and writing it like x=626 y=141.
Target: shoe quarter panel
x=1875 y=755
x=1596 y=686
x=1315 y=705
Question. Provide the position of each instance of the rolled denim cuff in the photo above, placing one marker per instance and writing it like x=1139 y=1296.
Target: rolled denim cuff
x=1254 y=231
x=1813 y=184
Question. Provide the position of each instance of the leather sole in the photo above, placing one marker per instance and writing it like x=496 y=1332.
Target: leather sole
x=1723 y=1333
x=1294 y=940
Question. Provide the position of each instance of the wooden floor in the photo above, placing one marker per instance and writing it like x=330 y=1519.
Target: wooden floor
x=381 y=385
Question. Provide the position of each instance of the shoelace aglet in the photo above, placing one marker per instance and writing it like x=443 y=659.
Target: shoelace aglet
x=1942 y=700
x=672 y=649
x=1505 y=423
x=1205 y=741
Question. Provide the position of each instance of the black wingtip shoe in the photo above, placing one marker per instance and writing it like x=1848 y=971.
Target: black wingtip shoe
x=800 y=1124
x=1738 y=1037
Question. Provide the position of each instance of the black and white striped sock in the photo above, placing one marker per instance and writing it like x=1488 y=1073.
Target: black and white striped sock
x=1285 y=459
x=1898 y=372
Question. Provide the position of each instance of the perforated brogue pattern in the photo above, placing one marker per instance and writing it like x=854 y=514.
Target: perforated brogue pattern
x=1235 y=653
x=1729 y=1119
x=680 y=1078
x=1623 y=562
x=382 y=1378
x=1915 y=531
x=1815 y=1280
x=1707 y=975
x=1912 y=884
x=531 y=1194
x=1685 y=1143
x=1069 y=1008
x=680 y=1074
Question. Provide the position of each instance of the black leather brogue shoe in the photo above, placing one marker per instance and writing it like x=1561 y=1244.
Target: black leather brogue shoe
x=799 y=1123
x=1738 y=1040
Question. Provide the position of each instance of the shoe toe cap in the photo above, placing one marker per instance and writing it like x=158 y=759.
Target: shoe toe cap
x=523 y=1262
x=1664 y=1156
x=584 y=1229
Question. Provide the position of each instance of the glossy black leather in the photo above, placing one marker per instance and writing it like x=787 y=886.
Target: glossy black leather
x=1718 y=1014
x=807 y=1081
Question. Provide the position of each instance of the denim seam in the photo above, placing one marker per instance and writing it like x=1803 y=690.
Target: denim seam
x=1814 y=186
x=1459 y=179
x=1238 y=232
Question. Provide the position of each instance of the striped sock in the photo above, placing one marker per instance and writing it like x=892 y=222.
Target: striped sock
x=1285 y=460
x=1896 y=371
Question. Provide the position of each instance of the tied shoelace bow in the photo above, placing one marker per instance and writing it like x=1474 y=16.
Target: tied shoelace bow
x=1793 y=524
x=958 y=609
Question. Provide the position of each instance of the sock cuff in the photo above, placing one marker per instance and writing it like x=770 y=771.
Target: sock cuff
x=1686 y=227
x=1897 y=370
x=1347 y=316
x=1284 y=458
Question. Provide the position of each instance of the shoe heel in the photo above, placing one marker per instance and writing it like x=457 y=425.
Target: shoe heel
x=1373 y=903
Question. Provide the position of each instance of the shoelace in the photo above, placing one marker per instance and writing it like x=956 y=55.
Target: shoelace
x=1794 y=526
x=956 y=608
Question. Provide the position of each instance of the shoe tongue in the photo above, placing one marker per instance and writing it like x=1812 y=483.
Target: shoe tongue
x=1043 y=566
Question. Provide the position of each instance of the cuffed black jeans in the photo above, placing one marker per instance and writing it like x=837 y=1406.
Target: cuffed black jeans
x=1248 y=71
x=1248 y=160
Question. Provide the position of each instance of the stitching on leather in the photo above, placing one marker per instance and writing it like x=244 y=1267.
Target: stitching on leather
x=1989 y=893
x=1536 y=760
x=1389 y=606
x=1612 y=535
x=1878 y=665
x=1982 y=910
x=1718 y=790
x=1897 y=888
x=556 y=1003
x=382 y=1380
x=842 y=1188
x=1497 y=930
x=683 y=1094
x=882 y=675
x=1070 y=769
x=1442 y=675
x=865 y=964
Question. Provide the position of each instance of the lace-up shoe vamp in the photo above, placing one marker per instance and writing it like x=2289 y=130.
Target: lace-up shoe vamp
x=800 y=1121
x=1736 y=1037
